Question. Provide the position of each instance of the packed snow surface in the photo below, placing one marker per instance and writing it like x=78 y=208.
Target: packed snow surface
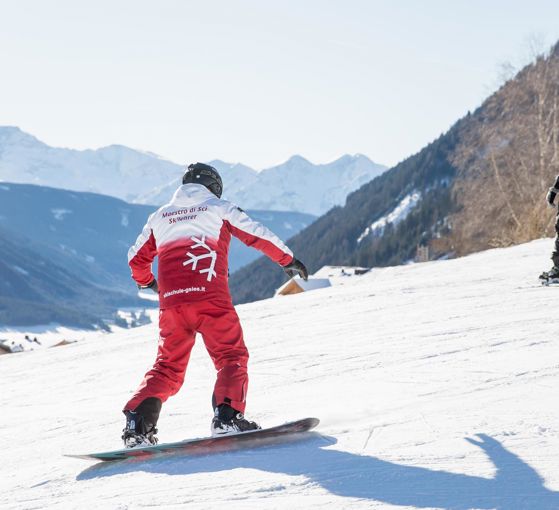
x=436 y=385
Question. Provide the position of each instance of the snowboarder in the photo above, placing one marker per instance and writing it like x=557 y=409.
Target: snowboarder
x=552 y=276
x=191 y=236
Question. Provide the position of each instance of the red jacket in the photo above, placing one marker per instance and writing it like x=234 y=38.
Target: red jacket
x=191 y=236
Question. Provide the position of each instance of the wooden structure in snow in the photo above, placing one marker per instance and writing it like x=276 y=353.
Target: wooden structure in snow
x=9 y=347
x=324 y=277
x=297 y=285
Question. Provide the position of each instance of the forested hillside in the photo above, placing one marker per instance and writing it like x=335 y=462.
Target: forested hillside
x=39 y=289
x=507 y=158
x=481 y=184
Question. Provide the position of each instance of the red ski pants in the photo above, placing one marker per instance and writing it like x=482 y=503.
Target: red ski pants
x=219 y=325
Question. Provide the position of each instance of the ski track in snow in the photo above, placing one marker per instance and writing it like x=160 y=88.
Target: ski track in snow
x=436 y=385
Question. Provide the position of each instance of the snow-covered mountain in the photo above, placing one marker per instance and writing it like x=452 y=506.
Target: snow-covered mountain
x=299 y=185
x=236 y=177
x=115 y=170
x=296 y=185
x=145 y=178
x=436 y=386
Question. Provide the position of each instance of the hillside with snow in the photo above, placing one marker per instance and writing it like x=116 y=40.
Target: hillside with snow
x=115 y=170
x=299 y=185
x=146 y=178
x=436 y=385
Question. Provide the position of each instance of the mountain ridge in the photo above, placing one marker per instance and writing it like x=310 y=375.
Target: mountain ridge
x=147 y=178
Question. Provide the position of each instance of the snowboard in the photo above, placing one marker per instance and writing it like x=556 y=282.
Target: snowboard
x=548 y=282
x=203 y=446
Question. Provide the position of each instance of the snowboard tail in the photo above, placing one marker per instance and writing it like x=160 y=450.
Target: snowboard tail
x=549 y=281
x=549 y=278
x=202 y=446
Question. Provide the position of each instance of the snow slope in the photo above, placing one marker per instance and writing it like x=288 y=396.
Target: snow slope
x=436 y=385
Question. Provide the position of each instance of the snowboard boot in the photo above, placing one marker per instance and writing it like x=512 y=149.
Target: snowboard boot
x=551 y=276
x=140 y=424
x=229 y=421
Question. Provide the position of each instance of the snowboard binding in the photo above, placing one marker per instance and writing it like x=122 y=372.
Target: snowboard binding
x=229 y=421
x=550 y=277
x=137 y=431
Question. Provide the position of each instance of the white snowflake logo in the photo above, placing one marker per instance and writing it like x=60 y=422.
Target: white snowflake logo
x=194 y=259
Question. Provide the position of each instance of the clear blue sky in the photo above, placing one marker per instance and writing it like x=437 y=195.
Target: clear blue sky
x=256 y=81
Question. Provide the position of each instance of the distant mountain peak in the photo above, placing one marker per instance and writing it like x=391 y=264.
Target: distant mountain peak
x=297 y=185
x=297 y=159
x=347 y=158
x=10 y=129
x=358 y=155
x=220 y=164
x=13 y=134
x=123 y=149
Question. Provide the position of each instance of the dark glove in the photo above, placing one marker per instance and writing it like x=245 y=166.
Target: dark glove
x=153 y=286
x=296 y=267
x=551 y=194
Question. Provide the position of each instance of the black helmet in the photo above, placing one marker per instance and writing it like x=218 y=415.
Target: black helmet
x=200 y=173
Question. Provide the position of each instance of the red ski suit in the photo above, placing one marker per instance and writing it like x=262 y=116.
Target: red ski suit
x=191 y=237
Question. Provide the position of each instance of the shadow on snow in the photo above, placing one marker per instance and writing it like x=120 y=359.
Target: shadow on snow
x=515 y=486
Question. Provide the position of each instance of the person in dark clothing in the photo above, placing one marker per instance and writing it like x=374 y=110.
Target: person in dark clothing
x=552 y=276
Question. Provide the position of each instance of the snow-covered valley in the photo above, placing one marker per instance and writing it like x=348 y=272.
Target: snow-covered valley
x=436 y=385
